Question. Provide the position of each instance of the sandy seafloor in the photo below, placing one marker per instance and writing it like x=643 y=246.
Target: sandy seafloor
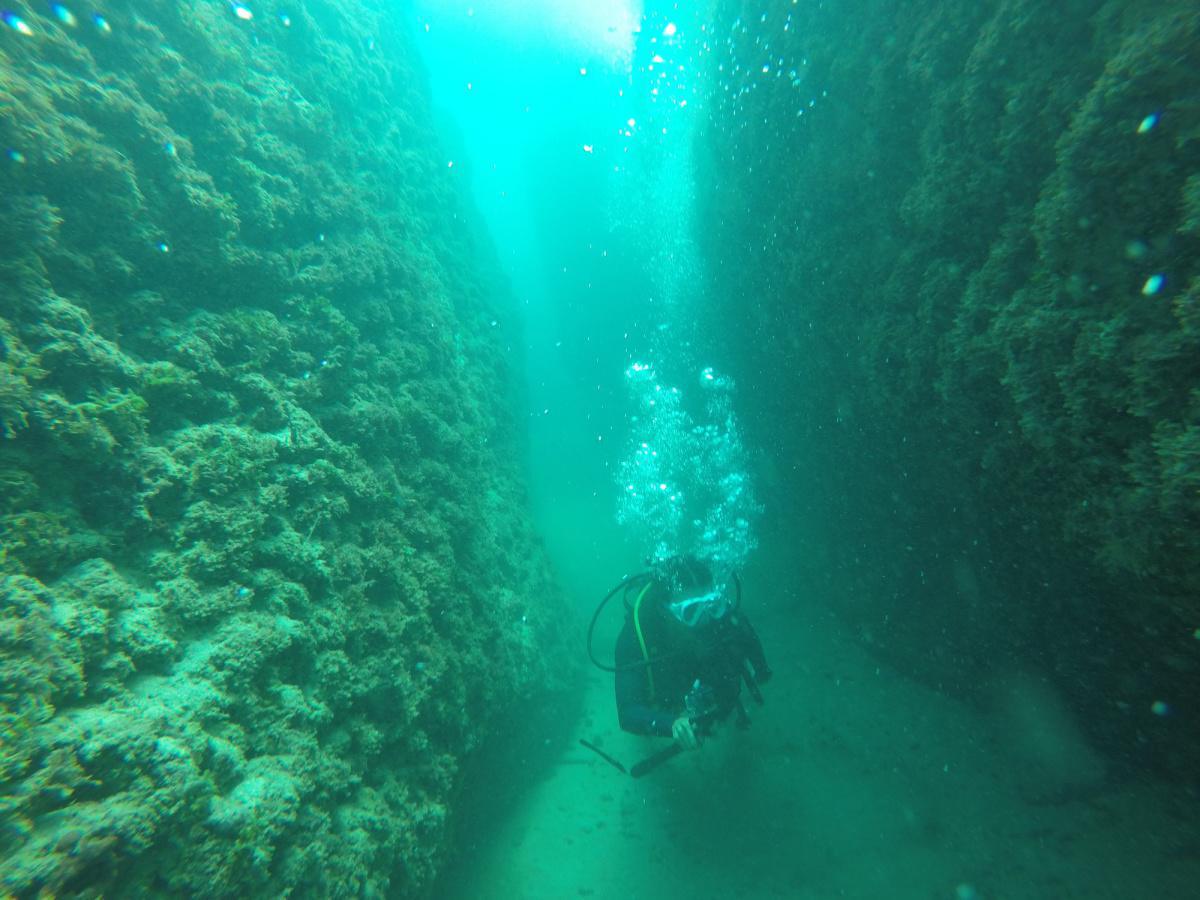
x=852 y=782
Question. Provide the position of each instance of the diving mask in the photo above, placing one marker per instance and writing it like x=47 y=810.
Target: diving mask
x=700 y=609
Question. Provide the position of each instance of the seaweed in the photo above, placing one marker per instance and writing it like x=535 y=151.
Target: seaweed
x=974 y=287
x=223 y=555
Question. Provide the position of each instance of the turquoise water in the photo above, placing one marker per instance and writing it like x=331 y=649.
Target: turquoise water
x=352 y=350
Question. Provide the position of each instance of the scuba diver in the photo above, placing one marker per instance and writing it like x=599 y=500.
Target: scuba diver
x=682 y=657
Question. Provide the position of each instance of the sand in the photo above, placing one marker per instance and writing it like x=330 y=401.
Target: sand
x=853 y=781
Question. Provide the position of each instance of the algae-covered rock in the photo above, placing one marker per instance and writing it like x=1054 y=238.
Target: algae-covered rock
x=969 y=235
x=256 y=604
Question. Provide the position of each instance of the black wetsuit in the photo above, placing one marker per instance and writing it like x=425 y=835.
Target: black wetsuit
x=716 y=658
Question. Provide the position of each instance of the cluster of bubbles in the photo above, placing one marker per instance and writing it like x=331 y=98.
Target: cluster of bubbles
x=663 y=96
x=66 y=16
x=683 y=481
x=57 y=11
x=763 y=54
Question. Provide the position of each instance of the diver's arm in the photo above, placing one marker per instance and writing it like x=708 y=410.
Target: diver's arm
x=635 y=715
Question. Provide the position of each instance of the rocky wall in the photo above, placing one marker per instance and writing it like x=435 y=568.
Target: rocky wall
x=957 y=263
x=266 y=574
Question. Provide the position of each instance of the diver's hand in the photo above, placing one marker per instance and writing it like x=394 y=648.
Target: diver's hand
x=685 y=734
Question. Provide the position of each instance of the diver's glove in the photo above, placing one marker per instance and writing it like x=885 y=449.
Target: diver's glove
x=684 y=733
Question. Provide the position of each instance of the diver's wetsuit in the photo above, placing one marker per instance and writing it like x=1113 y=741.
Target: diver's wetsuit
x=717 y=660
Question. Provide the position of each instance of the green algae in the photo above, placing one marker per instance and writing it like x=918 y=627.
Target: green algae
x=952 y=243
x=267 y=576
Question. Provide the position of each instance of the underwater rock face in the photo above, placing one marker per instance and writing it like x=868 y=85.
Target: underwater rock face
x=967 y=237
x=265 y=570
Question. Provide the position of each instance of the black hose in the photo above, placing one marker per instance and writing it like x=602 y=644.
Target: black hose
x=608 y=759
x=596 y=615
x=641 y=663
